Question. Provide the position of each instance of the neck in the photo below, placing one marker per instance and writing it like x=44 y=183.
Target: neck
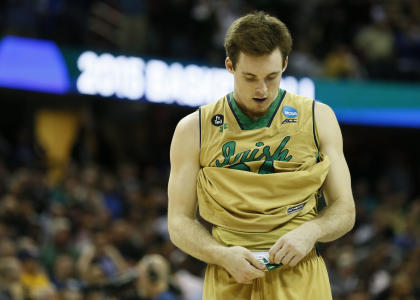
x=248 y=113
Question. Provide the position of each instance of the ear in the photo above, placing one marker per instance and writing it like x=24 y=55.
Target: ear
x=286 y=61
x=229 y=65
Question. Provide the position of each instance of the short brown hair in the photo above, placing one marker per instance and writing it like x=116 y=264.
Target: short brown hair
x=257 y=34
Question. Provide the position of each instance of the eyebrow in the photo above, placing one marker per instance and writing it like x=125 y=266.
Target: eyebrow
x=272 y=73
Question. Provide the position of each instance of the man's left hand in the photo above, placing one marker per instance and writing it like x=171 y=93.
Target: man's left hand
x=293 y=246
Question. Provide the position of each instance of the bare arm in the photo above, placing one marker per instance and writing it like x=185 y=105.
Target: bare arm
x=185 y=231
x=339 y=216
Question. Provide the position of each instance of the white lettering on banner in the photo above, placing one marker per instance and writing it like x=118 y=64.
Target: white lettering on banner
x=156 y=74
x=306 y=88
x=290 y=84
x=107 y=75
x=133 y=78
x=86 y=81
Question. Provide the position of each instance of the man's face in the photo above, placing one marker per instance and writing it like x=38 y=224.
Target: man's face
x=257 y=80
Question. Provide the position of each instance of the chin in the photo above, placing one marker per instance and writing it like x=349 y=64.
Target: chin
x=262 y=106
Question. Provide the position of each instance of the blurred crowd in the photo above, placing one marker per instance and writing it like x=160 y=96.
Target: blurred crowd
x=373 y=39
x=84 y=237
x=92 y=234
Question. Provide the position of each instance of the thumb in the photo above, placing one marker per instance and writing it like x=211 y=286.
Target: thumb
x=253 y=261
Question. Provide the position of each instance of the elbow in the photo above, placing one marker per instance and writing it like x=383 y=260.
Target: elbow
x=173 y=230
x=172 y=237
x=352 y=218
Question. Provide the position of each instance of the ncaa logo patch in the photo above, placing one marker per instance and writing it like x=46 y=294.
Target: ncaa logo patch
x=217 y=120
x=290 y=112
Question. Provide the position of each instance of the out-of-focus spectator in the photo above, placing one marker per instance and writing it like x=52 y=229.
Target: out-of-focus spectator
x=341 y=63
x=126 y=239
x=71 y=294
x=96 y=295
x=10 y=286
x=402 y=287
x=7 y=248
x=358 y=295
x=64 y=276
x=303 y=62
x=405 y=19
x=154 y=276
x=376 y=44
x=344 y=280
x=188 y=274
x=111 y=197
x=59 y=244
x=18 y=215
x=132 y=35
x=33 y=277
x=100 y=261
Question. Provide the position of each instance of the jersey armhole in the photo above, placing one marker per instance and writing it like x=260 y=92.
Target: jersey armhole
x=199 y=123
x=315 y=131
x=321 y=202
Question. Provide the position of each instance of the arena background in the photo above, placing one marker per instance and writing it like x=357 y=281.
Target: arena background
x=84 y=166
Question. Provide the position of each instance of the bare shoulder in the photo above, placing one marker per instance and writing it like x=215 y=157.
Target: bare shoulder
x=189 y=128
x=328 y=129
x=323 y=112
x=186 y=137
x=189 y=123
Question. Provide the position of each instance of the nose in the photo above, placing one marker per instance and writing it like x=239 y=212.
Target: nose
x=261 y=89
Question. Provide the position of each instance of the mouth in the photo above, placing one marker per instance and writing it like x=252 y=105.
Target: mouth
x=259 y=100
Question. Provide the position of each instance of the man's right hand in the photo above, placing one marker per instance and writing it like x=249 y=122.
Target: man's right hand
x=242 y=265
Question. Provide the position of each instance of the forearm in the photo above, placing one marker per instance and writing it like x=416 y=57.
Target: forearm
x=192 y=238
x=333 y=222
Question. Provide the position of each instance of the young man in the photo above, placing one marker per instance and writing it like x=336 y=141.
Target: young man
x=254 y=163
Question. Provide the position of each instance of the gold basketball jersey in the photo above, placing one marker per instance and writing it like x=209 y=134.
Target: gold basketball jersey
x=258 y=176
x=230 y=139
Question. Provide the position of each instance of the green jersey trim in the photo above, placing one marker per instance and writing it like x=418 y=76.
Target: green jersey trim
x=245 y=122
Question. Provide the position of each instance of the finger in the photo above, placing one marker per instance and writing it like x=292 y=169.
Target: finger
x=249 y=277
x=280 y=254
x=295 y=260
x=274 y=249
x=253 y=261
x=254 y=272
x=287 y=258
x=243 y=280
x=257 y=273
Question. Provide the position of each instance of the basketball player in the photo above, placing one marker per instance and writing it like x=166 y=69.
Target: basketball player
x=254 y=162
